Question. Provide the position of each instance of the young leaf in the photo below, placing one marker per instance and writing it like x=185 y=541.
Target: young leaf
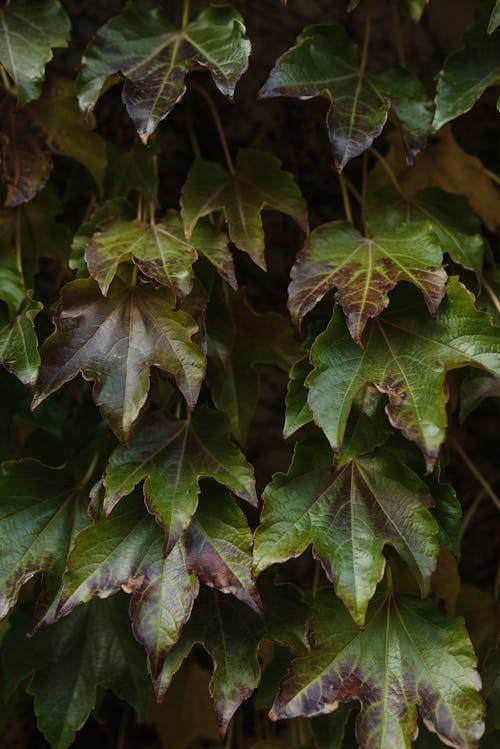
x=151 y=57
x=410 y=655
x=348 y=516
x=41 y=511
x=26 y=163
x=231 y=633
x=69 y=660
x=326 y=62
x=365 y=269
x=258 y=182
x=18 y=341
x=467 y=73
x=457 y=228
x=172 y=456
x=28 y=32
x=406 y=356
x=114 y=341
x=219 y=548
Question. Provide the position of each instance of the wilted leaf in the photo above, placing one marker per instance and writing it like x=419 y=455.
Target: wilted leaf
x=67 y=134
x=258 y=182
x=42 y=509
x=238 y=340
x=457 y=228
x=28 y=32
x=172 y=455
x=326 y=62
x=114 y=341
x=152 y=57
x=69 y=660
x=219 y=547
x=365 y=269
x=348 y=516
x=406 y=356
x=410 y=655
x=26 y=163
x=467 y=73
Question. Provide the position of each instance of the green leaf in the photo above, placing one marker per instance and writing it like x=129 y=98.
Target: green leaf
x=406 y=356
x=219 y=547
x=329 y=730
x=474 y=389
x=172 y=455
x=131 y=170
x=467 y=74
x=28 y=33
x=151 y=56
x=67 y=134
x=113 y=341
x=92 y=647
x=238 y=340
x=365 y=269
x=42 y=509
x=326 y=62
x=457 y=228
x=348 y=516
x=18 y=341
x=26 y=163
x=494 y=21
x=160 y=250
x=297 y=413
x=410 y=655
x=258 y=182
x=230 y=633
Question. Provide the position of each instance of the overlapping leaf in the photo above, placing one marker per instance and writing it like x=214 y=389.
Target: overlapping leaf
x=172 y=455
x=114 y=341
x=365 y=269
x=159 y=249
x=468 y=73
x=326 y=62
x=348 y=516
x=28 y=33
x=230 y=633
x=41 y=510
x=409 y=656
x=93 y=647
x=151 y=56
x=406 y=356
x=257 y=182
x=18 y=341
x=456 y=226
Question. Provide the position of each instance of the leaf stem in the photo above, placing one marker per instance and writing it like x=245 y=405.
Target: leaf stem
x=133 y=282
x=185 y=14
x=345 y=198
x=90 y=471
x=364 y=189
x=10 y=89
x=496 y=586
x=475 y=471
x=494 y=177
x=388 y=576
x=366 y=46
x=491 y=294
x=229 y=737
x=387 y=167
x=19 y=251
x=218 y=124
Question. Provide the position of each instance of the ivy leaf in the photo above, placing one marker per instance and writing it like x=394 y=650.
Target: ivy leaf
x=297 y=412
x=406 y=356
x=172 y=455
x=467 y=74
x=409 y=644
x=40 y=513
x=456 y=226
x=326 y=62
x=67 y=134
x=152 y=57
x=92 y=647
x=494 y=21
x=160 y=250
x=26 y=163
x=257 y=182
x=114 y=341
x=18 y=341
x=219 y=548
x=348 y=516
x=238 y=340
x=231 y=633
x=131 y=170
x=474 y=389
x=28 y=33
x=365 y=269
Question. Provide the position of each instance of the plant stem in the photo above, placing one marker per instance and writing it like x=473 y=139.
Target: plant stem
x=185 y=14
x=218 y=124
x=387 y=168
x=345 y=198
x=475 y=471
x=366 y=46
x=491 y=294
x=494 y=177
